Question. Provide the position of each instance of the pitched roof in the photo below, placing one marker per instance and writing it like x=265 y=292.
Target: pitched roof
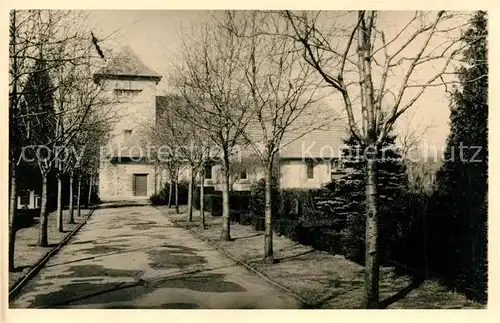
x=317 y=144
x=323 y=143
x=317 y=133
x=127 y=64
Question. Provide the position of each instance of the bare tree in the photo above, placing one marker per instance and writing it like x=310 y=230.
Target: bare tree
x=73 y=96
x=88 y=166
x=83 y=150
x=28 y=31
x=31 y=88
x=202 y=196
x=243 y=167
x=189 y=142
x=165 y=137
x=282 y=90
x=41 y=43
x=210 y=79
x=78 y=102
x=380 y=73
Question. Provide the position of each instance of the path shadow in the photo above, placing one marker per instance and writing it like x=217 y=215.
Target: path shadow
x=100 y=256
x=341 y=289
x=83 y=242
x=59 y=301
x=50 y=245
x=296 y=256
x=416 y=282
x=84 y=293
x=121 y=205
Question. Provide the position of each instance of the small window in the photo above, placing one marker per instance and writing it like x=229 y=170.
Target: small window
x=127 y=133
x=126 y=93
x=24 y=196
x=208 y=171
x=310 y=169
x=243 y=174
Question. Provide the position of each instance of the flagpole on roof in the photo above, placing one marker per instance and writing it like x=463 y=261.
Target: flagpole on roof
x=96 y=45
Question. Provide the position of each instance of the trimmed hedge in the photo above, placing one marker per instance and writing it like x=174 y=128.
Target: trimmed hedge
x=305 y=216
x=411 y=233
x=238 y=202
x=317 y=218
x=25 y=218
x=196 y=196
x=161 y=198
x=213 y=204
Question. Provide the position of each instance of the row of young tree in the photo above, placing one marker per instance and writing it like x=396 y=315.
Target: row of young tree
x=247 y=78
x=438 y=214
x=57 y=115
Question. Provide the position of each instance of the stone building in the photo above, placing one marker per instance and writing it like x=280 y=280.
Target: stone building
x=125 y=171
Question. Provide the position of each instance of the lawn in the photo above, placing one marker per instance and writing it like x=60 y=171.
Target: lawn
x=27 y=253
x=322 y=279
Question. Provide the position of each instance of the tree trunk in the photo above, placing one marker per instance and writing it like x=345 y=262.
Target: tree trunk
x=71 y=214
x=268 y=235
x=78 y=198
x=202 y=193
x=177 y=196
x=190 y=195
x=42 y=233
x=14 y=145
x=226 y=230
x=156 y=180
x=370 y=120
x=171 y=184
x=371 y=297
x=91 y=183
x=60 y=226
x=12 y=216
x=424 y=227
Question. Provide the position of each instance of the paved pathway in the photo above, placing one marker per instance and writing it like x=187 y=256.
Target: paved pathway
x=133 y=257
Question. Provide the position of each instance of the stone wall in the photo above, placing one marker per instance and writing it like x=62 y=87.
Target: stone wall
x=116 y=180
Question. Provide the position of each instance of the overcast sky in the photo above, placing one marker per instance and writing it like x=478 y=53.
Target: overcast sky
x=156 y=36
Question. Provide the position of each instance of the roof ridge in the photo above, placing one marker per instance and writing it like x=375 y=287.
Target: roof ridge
x=127 y=63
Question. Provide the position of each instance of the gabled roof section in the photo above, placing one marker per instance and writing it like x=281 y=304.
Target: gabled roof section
x=317 y=144
x=322 y=143
x=127 y=65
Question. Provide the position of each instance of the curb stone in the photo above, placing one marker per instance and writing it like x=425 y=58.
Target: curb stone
x=33 y=270
x=116 y=206
x=247 y=266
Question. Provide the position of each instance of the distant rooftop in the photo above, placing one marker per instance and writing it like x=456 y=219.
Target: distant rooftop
x=126 y=64
x=322 y=144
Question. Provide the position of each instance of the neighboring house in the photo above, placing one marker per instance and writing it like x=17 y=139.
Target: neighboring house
x=312 y=161
x=126 y=172
x=28 y=199
x=29 y=184
x=309 y=162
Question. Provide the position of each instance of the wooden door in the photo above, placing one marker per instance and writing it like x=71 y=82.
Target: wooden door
x=140 y=184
